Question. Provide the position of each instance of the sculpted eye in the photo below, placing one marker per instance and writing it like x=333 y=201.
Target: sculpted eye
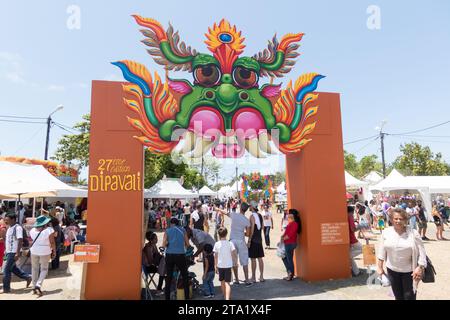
x=207 y=75
x=245 y=78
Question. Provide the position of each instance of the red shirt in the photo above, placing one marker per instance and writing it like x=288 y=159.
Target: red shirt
x=291 y=232
x=351 y=229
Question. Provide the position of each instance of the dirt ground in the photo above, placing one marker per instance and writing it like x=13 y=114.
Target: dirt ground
x=64 y=284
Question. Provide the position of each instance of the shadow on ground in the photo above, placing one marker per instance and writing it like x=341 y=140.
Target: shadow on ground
x=62 y=272
x=287 y=290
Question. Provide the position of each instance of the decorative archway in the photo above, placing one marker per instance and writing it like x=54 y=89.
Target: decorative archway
x=225 y=111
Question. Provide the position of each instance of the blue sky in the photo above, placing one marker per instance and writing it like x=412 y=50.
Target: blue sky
x=399 y=73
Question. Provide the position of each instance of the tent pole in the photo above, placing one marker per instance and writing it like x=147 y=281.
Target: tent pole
x=34 y=207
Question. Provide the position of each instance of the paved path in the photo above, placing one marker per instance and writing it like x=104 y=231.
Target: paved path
x=65 y=283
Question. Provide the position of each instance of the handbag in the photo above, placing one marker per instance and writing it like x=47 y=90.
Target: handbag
x=28 y=252
x=429 y=272
x=281 y=251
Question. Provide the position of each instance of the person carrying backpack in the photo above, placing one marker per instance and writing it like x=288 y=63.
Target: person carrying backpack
x=13 y=242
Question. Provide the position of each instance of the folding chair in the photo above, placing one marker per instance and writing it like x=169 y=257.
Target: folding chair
x=148 y=280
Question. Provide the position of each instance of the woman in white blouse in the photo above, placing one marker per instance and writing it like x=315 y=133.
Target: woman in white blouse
x=42 y=251
x=402 y=252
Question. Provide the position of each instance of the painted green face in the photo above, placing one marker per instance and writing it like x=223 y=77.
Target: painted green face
x=220 y=104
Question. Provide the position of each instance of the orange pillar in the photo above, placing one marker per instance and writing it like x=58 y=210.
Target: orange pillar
x=316 y=187
x=115 y=206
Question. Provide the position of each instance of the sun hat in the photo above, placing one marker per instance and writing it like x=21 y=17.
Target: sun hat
x=41 y=221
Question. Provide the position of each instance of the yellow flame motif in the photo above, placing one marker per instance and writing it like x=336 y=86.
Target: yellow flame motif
x=224 y=33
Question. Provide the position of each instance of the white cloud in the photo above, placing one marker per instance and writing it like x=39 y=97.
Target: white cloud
x=15 y=77
x=54 y=87
x=12 y=70
x=11 y=67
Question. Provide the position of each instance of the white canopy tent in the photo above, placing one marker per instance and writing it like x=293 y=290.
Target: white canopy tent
x=425 y=185
x=373 y=177
x=30 y=181
x=206 y=191
x=233 y=187
x=435 y=184
x=18 y=180
x=351 y=181
x=394 y=181
x=225 y=192
x=169 y=188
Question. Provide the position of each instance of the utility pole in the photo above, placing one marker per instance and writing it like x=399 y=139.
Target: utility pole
x=49 y=124
x=237 y=182
x=382 y=134
x=382 y=154
x=201 y=170
x=47 y=140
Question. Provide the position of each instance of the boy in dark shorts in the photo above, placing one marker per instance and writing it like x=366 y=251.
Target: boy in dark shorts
x=208 y=274
x=225 y=258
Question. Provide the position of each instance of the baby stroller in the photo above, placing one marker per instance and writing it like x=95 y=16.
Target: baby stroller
x=176 y=287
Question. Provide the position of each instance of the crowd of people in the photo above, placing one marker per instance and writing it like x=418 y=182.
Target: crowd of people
x=401 y=255
x=401 y=224
x=223 y=251
x=39 y=240
x=374 y=215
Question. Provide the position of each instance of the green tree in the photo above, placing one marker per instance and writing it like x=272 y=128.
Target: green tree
x=159 y=165
x=362 y=167
x=75 y=147
x=278 y=177
x=419 y=160
x=210 y=170
x=367 y=164
x=351 y=164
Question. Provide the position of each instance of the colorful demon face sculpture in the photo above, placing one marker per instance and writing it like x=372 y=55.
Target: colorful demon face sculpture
x=225 y=109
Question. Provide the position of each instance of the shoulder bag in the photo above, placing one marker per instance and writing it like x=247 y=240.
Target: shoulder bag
x=28 y=252
x=428 y=272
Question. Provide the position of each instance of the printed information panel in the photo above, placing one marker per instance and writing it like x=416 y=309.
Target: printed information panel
x=333 y=233
x=86 y=253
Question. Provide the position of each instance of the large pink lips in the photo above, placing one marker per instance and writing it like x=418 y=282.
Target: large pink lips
x=247 y=123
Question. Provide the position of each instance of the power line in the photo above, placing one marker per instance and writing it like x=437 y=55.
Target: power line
x=20 y=117
x=67 y=127
x=363 y=139
x=19 y=121
x=29 y=140
x=419 y=136
x=62 y=128
x=421 y=140
x=366 y=145
x=420 y=130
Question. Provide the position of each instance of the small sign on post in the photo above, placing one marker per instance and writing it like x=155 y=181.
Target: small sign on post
x=88 y=253
x=369 y=257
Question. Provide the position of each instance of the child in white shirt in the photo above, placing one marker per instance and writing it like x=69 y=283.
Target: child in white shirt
x=225 y=258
